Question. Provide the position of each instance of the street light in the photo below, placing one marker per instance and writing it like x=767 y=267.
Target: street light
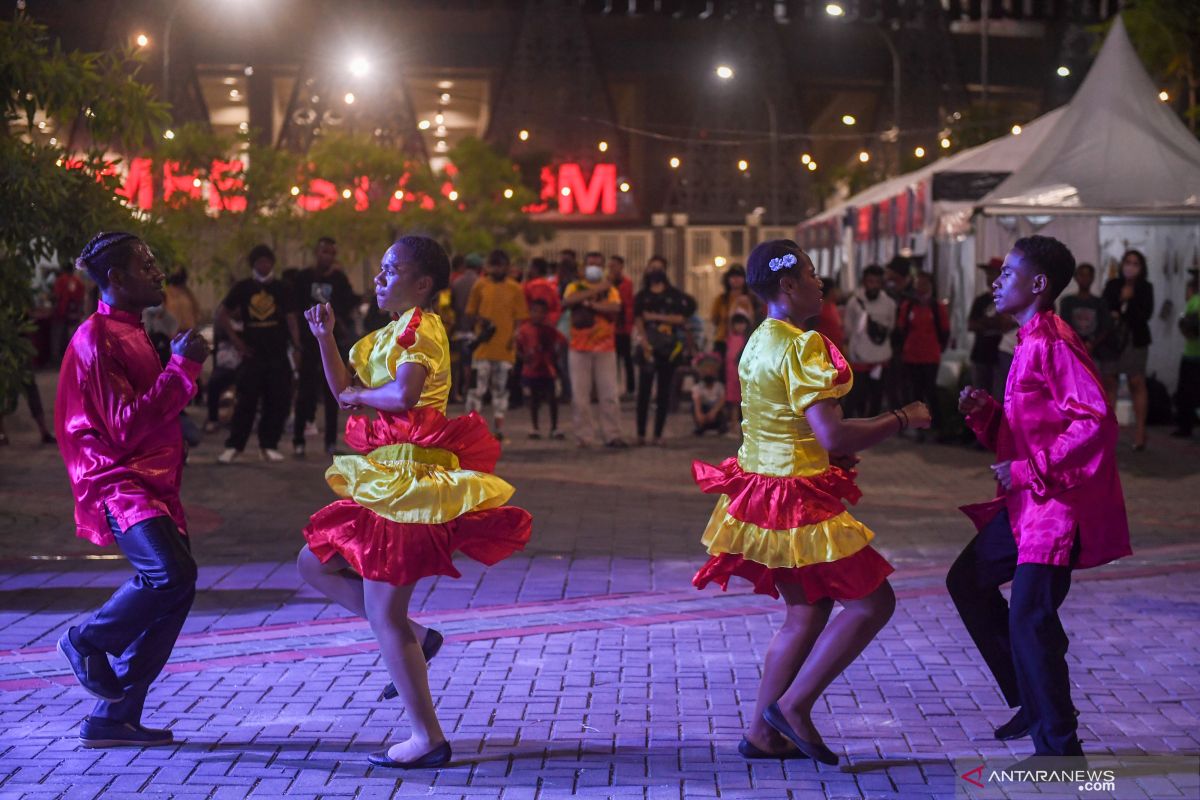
x=1163 y=96
x=1016 y=130
x=349 y=98
x=848 y=119
x=359 y=66
x=835 y=10
x=1063 y=71
x=142 y=40
x=725 y=73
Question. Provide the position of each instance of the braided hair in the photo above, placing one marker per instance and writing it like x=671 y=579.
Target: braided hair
x=430 y=259
x=106 y=251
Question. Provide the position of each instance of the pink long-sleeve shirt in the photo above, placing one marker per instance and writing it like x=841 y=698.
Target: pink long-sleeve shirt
x=1058 y=431
x=117 y=420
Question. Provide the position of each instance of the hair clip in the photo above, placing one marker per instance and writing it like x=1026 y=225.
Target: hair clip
x=783 y=262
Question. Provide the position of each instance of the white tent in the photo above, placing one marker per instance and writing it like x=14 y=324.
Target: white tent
x=1119 y=170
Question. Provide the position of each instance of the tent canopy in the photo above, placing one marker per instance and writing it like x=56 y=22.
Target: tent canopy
x=1115 y=148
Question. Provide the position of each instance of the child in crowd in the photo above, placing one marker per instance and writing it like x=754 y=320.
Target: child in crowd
x=735 y=343
x=538 y=346
x=708 y=396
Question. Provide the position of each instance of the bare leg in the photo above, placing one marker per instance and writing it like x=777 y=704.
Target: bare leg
x=1141 y=402
x=785 y=655
x=341 y=584
x=839 y=644
x=387 y=611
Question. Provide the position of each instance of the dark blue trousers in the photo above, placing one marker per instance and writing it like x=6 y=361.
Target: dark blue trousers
x=1023 y=642
x=139 y=624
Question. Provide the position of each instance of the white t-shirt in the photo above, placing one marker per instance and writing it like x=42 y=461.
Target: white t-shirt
x=861 y=350
x=709 y=396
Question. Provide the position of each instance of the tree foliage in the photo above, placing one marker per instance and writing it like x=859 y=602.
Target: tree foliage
x=1166 y=35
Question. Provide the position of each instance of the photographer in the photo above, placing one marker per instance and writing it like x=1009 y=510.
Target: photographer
x=868 y=318
x=594 y=305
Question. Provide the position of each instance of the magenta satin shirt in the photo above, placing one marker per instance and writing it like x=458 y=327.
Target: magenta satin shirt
x=117 y=420
x=1061 y=437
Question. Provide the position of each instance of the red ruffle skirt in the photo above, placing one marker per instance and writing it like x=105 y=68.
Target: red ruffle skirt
x=381 y=549
x=777 y=504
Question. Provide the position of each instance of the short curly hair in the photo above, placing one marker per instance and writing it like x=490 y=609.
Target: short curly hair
x=1051 y=258
x=763 y=280
x=429 y=257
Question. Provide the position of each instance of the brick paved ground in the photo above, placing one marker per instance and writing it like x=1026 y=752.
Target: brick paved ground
x=587 y=666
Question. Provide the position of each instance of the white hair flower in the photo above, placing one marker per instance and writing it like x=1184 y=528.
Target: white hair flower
x=783 y=262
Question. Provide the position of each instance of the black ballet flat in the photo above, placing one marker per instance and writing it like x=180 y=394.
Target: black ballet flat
x=429 y=649
x=752 y=753
x=437 y=757
x=774 y=717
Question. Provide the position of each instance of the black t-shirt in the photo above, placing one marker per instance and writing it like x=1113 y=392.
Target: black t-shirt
x=665 y=340
x=263 y=309
x=334 y=288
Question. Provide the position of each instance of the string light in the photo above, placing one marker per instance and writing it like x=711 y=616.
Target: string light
x=508 y=193
x=424 y=124
x=1163 y=96
x=945 y=144
x=724 y=72
x=565 y=191
x=1016 y=130
x=399 y=195
x=523 y=135
x=196 y=182
x=624 y=187
x=919 y=152
x=743 y=165
x=453 y=195
x=349 y=98
x=1063 y=71
x=805 y=159
x=719 y=261
x=439 y=118
x=142 y=40
x=835 y=10
x=346 y=193
x=602 y=147
x=812 y=166
x=848 y=119
x=295 y=191
x=864 y=156
x=168 y=134
x=674 y=162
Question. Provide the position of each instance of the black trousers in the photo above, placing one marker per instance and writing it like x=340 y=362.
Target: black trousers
x=271 y=382
x=660 y=370
x=312 y=386
x=139 y=624
x=542 y=390
x=1187 y=395
x=922 y=386
x=220 y=380
x=1023 y=642
x=625 y=359
x=865 y=398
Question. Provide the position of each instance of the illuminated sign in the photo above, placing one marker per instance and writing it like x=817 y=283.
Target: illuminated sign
x=565 y=189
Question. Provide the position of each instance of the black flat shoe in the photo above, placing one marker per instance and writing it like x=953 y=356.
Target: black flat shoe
x=1016 y=728
x=92 y=669
x=429 y=648
x=437 y=757
x=817 y=751
x=752 y=753
x=99 y=732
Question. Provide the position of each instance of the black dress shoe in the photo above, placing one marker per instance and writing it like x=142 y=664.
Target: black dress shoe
x=100 y=732
x=818 y=751
x=92 y=669
x=429 y=648
x=750 y=752
x=437 y=757
x=1016 y=728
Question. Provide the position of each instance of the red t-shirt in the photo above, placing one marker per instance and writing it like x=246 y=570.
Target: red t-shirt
x=625 y=319
x=921 y=341
x=538 y=347
x=546 y=290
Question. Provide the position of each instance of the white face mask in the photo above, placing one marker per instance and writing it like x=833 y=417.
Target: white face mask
x=593 y=274
x=263 y=278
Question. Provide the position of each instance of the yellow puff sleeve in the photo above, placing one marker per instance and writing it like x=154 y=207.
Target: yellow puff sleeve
x=412 y=339
x=814 y=371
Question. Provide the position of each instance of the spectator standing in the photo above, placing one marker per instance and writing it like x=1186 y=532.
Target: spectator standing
x=180 y=303
x=592 y=359
x=266 y=307
x=624 y=287
x=661 y=313
x=68 y=293
x=566 y=273
x=463 y=334
x=735 y=343
x=869 y=318
x=494 y=309
x=733 y=298
x=540 y=286
x=829 y=322
x=1085 y=312
x=1130 y=300
x=538 y=345
x=1187 y=396
x=321 y=283
x=897 y=282
x=989 y=328
x=926 y=328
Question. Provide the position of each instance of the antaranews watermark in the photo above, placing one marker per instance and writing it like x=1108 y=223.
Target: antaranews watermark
x=1092 y=778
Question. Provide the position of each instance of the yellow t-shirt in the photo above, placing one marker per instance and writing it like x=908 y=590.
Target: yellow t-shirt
x=503 y=304
x=601 y=335
x=783 y=371
x=417 y=337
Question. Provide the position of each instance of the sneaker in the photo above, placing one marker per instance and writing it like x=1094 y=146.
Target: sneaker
x=311 y=429
x=298 y=449
x=270 y=454
x=228 y=456
x=91 y=667
x=100 y=732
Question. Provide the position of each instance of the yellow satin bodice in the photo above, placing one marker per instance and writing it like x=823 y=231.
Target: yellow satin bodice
x=784 y=370
x=416 y=337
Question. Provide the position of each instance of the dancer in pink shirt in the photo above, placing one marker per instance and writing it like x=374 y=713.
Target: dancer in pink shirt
x=117 y=421
x=1058 y=507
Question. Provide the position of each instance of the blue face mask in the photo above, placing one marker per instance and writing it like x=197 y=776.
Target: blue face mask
x=593 y=274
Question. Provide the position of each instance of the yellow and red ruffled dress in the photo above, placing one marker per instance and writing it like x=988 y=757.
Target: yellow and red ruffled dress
x=422 y=488
x=781 y=516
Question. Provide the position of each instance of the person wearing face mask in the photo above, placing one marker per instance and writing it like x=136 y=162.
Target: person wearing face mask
x=1130 y=299
x=709 y=411
x=594 y=304
x=869 y=317
x=266 y=308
